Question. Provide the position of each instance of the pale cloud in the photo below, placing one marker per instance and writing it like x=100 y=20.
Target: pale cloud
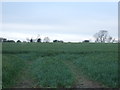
x=53 y=36
x=62 y=21
x=71 y=27
x=14 y=35
x=71 y=37
x=23 y=31
x=60 y=0
x=70 y=32
x=29 y=27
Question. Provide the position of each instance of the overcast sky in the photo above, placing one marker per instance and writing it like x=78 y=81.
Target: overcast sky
x=67 y=21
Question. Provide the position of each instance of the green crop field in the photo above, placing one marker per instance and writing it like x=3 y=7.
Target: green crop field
x=59 y=64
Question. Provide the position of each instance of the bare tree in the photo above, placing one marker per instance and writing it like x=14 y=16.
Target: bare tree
x=34 y=39
x=110 y=39
x=113 y=40
x=28 y=40
x=37 y=39
x=96 y=37
x=101 y=36
x=46 y=39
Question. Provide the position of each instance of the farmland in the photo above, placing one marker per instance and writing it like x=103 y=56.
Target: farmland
x=59 y=65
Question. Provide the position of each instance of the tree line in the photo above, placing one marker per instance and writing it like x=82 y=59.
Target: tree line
x=39 y=40
x=100 y=37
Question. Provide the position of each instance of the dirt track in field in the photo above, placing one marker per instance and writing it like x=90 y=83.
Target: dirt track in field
x=82 y=81
x=25 y=80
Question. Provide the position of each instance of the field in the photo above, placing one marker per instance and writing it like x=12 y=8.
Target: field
x=53 y=65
